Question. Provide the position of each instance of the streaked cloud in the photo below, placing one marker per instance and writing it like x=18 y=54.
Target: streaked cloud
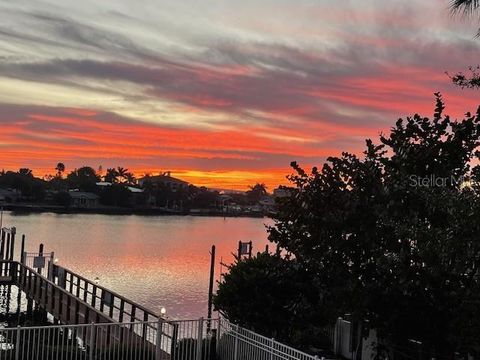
x=221 y=88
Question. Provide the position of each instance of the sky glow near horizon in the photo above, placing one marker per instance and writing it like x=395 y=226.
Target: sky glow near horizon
x=222 y=93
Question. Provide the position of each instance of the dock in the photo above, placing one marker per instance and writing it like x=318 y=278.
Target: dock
x=92 y=322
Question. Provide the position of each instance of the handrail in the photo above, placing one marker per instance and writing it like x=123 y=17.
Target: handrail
x=113 y=293
x=47 y=281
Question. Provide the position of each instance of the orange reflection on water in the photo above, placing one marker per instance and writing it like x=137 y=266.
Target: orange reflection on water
x=154 y=260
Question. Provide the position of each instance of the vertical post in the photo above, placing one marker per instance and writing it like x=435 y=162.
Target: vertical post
x=199 y=339
x=210 y=287
x=2 y=244
x=50 y=267
x=272 y=348
x=22 y=251
x=250 y=246
x=17 y=344
x=235 y=349
x=158 y=345
x=173 y=348
x=7 y=247
x=12 y=244
x=40 y=253
x=92 y=340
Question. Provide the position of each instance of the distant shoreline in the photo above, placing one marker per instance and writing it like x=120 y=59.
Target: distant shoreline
x=45 y=208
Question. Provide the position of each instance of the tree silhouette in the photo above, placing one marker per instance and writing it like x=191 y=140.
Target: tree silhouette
x=387 y=242
x=472 y=80
x=111 y=175
x=256 y=192
x=60 y=168
x=465 y=6
x=84 y=178
x=121 y=172
x=130 y=178
x=25 y=172
x=377 y=237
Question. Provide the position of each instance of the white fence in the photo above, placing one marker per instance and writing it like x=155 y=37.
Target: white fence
x=186 y=340
x=200 y=339
x=237 y=343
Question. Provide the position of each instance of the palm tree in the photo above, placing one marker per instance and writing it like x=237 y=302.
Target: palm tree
x=465 y=6
x=60 y=169
x=111 y=175
x=130 y=178
x=25 y=172
x=121 y=172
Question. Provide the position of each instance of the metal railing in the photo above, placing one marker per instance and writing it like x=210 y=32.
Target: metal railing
x=112 y=341
x=115 y=306
x=237 y=343
x=68 y=342
x=201 y=339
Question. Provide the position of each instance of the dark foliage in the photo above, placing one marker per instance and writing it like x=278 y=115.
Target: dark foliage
x=391 y=238
x=62 y=198
x=31 y=188
x=116 y=195
x=274 y=297
x=84 y=178
x=388 y=242
x=471 y=81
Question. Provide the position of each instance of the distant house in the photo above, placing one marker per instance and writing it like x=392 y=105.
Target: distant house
x=103 y=184
x=8 y=196
x=267 y=203
x=281 y=192
x=84 y=200
x=163 y=180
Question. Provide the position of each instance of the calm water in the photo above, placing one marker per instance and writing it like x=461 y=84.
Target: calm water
x=156 y=261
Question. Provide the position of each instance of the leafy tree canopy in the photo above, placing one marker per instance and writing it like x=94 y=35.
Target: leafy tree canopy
x=84 y=178
x=392 y=237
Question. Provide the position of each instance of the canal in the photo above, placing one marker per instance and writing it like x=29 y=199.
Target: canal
x=157 y=261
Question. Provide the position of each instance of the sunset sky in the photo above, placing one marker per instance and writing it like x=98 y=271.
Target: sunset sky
x=222 y=93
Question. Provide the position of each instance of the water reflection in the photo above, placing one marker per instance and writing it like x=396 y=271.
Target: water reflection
x=156 y=261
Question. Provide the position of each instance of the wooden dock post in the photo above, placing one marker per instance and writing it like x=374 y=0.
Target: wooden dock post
x=22 y=251
x=13 y=231
x=40 y=253
x=210 y=287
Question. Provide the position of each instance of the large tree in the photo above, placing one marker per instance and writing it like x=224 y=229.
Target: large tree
x=394 y=237
x=84 y=178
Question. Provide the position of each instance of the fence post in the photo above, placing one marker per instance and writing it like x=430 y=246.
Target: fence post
x=92 y=340
x=199 y=339
x=272 y=348
x=17 y=344
x=158 y=346
x=218 y=334
x=50 y=267
x=40 y=253
x=12 y=245
x=173 y=349
x=235 y=350
x=22 y=251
